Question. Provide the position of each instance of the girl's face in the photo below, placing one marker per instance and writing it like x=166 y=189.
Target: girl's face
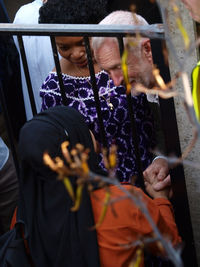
x=72 y=49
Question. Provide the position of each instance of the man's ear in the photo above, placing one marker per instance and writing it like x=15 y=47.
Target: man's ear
x=146 y=50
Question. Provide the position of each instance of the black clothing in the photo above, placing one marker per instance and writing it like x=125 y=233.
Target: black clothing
x=10 y=78
x=8 y=194
x=56 y=236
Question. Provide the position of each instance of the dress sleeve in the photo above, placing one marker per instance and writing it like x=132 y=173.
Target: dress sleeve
x=50 y=92
x=167 y=214
x=124 y=223
x=161 y=211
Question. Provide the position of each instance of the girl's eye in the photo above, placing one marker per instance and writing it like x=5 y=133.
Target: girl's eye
x=63 y=48
x=81 y=43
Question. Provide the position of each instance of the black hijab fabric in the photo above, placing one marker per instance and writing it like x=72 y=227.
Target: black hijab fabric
x=56 y=236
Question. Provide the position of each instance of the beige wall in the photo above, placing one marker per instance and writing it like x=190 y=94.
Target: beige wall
x=192 y=175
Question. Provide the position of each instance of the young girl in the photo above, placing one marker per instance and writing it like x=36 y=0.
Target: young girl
x=79 y=93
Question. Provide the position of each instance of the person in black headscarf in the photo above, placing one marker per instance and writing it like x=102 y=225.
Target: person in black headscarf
x=56 y=236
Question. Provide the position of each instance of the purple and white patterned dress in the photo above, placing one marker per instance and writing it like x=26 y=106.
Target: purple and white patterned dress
x=116 y=121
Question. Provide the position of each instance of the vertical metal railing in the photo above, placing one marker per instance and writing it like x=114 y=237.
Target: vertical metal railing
x=95 y=90
x=58 y=70
x=27 y=74
x=135 y=138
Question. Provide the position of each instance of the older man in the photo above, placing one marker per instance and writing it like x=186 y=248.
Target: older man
x=140 y=65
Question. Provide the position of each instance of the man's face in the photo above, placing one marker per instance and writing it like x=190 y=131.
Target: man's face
x=194 y=7
x=139 y=67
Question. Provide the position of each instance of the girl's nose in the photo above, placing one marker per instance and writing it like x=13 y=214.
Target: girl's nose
x=77 y=53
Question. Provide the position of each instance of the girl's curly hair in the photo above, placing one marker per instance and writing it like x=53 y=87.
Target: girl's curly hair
x=73 y=11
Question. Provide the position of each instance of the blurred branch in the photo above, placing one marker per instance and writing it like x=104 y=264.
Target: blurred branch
x=77 y=166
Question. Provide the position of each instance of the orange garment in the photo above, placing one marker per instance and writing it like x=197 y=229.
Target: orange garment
x=129 y=225
x=12 y=225
x=14 y=219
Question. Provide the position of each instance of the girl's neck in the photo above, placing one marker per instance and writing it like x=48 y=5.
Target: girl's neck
x=73 y=70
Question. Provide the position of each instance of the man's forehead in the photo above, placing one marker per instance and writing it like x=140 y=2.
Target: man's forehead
x=109 y=53
x=108 y=46
x=109 y=64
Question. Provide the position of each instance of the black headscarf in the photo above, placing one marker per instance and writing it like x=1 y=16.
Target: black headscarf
x=56 y=236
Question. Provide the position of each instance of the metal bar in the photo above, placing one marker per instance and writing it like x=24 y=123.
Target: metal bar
x=96 y=93
x=9 y=128
x=151 y=31
x=133 y=128
x=135 y=142
x=121 y=45
x=27 y=74
x=58 y=69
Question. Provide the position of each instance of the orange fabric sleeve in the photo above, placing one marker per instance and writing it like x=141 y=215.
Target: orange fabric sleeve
x=124 y=223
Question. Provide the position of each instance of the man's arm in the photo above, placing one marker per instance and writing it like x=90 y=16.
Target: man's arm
x=159 y=168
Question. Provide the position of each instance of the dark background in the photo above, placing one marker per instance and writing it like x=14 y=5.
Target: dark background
x=144 y=7
x=13 y=5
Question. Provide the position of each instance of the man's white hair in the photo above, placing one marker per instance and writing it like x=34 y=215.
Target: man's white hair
x=124 y=18
x=119 y=17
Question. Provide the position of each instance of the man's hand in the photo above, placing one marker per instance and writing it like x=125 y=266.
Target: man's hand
x=158 y=171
